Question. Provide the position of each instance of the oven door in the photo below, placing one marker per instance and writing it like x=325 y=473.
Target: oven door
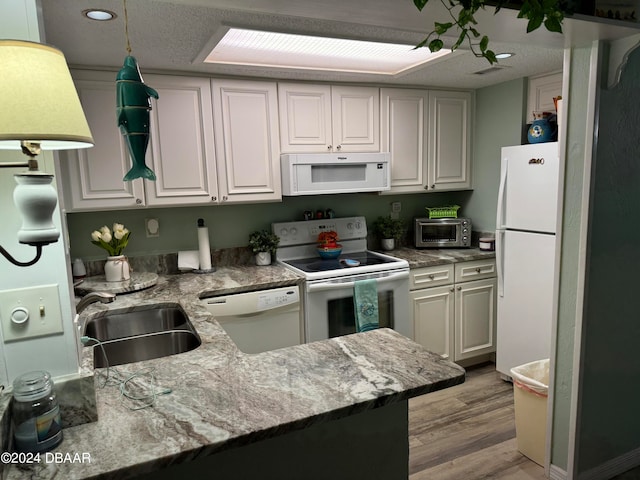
x=329 y=308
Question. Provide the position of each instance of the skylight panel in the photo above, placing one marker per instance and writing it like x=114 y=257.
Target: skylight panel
x=284 y=50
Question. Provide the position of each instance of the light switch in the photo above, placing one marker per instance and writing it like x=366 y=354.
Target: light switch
x=30 y=312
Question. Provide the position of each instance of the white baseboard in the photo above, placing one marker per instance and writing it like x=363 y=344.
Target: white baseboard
x=556 y=473
x=613 y=467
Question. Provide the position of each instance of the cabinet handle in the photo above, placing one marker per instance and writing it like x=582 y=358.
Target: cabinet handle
x=452 y=290
x=426 y=187
x=432 y=276
x=138 y=201
x=433 y=186
x=338 y=147
x=329 y=147
x=459 y=288
x=224 y=198
x=214 y=198
x=478 y=270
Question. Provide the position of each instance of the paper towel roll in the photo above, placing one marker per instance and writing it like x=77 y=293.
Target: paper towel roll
x=203 y=247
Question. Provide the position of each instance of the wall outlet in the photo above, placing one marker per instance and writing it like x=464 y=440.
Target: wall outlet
x=30 y=312
x=396 y=207
x=152 y=227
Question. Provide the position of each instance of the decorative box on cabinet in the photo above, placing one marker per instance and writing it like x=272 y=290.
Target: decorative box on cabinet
x=454 y=308
x=325 y=118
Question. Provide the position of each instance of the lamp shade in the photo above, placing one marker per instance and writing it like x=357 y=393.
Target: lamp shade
x=38 y=98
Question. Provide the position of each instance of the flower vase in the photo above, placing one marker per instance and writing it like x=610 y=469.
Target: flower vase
x=263 y=258
x=116 y=269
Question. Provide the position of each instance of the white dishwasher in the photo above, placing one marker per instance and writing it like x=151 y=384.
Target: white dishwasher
x=261 y=320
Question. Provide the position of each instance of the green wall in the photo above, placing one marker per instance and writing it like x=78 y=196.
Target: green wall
x=498 y=122
x=230 y=225
x=572 y=254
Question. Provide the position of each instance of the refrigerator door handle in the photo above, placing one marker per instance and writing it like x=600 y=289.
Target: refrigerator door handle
x=501 y=189
x=500 y=261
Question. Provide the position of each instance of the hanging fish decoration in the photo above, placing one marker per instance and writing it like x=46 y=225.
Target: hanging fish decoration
x=133 y=106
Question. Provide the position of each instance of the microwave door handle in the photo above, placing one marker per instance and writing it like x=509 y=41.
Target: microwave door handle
x=318 y=287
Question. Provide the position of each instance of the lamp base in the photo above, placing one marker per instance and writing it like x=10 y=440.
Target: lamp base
x=36 y=200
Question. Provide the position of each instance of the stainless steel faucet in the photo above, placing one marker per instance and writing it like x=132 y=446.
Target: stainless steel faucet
x=93 y=297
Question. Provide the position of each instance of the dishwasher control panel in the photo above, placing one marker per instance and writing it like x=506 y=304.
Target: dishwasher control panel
x=277 y=298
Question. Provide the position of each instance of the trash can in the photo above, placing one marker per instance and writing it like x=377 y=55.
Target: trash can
x=530 y=391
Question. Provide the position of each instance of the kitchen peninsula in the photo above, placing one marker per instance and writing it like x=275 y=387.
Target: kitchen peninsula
x=330 y=409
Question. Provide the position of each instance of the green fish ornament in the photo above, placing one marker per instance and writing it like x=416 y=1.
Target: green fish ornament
x=133 y=106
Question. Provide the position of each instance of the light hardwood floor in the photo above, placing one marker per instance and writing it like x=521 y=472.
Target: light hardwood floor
x=467 y=432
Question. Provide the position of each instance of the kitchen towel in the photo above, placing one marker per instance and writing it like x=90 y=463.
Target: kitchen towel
x=188 y=260
x=365 y=304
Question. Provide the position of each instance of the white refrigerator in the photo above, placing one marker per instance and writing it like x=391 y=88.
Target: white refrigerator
x=526 y=223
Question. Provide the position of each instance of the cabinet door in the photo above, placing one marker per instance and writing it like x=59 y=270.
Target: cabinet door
x=475 y=318
x=247 y=151
x=433 y=310
x=403 y=124
x=93 y=177
x=182 y=147
x=305 y=118
x=541 y=92
x=449 y=140
x=355 y=115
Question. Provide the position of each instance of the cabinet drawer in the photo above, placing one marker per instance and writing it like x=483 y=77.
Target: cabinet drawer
x=431 y=276
x=476 y=270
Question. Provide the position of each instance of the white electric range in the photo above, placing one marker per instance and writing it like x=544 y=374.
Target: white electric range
x=328 y=289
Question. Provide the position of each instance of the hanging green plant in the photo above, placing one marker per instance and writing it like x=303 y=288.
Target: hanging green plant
x=549 y=13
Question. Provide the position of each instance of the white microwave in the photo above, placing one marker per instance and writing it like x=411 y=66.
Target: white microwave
x=320 y=173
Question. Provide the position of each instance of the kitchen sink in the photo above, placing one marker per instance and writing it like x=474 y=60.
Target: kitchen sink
x=139 y=335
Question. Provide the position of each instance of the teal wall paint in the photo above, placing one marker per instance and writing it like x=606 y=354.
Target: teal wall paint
x=230 y=225
x=571 y=254
x=498 y=122
x=610 y=368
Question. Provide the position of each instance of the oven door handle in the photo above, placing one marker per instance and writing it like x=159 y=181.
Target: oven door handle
x=317 y=287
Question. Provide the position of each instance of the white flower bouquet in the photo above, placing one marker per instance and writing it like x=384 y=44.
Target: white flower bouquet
x=114 y=242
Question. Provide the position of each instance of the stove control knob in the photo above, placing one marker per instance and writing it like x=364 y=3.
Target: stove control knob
x=358 y=225
x=350 y=226
x=293 y=231
x=283 y=232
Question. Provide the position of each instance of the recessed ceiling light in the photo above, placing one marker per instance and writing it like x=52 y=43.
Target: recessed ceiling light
x=100 y=15
x=504 y=55
x=284 y=50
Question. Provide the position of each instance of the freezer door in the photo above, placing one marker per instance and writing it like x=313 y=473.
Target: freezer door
x=529 y=187
x=526 y=299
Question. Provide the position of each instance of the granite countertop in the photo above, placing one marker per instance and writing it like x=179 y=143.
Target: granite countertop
x=222 y=398
x=427 y=257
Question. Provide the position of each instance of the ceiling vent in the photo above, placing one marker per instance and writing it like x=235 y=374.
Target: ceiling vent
x=495 y=68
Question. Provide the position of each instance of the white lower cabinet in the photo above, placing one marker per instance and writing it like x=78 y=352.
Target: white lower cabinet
x=454 y=308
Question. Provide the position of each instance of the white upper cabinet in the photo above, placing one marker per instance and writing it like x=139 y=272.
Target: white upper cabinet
x=428 y=134
x=449 y=141
x=182 y=152
x=92 y=177
x=403 y=121
x=246 y=130
x=542 y=89
x=324 y=118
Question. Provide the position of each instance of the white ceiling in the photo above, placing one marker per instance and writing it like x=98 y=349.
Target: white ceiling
x=168 y=35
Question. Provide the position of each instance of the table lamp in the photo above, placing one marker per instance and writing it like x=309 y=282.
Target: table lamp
x=40 y=110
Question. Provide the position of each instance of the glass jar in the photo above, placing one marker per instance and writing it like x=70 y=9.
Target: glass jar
x=35 y=413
